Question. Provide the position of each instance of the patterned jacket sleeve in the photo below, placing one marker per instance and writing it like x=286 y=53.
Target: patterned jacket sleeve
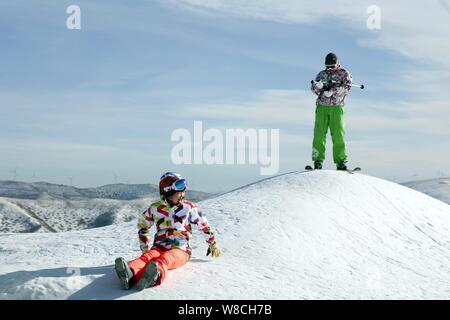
x=313 y=87
x=145 y=222
x=202 y=223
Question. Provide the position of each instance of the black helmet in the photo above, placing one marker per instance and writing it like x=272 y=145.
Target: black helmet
x=330 y=60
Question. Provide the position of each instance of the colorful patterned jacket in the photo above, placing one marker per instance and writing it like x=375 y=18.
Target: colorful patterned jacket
x=341 y=84
x=173 y=226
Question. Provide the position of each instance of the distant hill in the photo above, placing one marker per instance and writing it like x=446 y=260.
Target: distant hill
x=36 y=190
x=46 y=207
x=438 y=188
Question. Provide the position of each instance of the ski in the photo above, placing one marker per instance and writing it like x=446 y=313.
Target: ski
x=356 y=169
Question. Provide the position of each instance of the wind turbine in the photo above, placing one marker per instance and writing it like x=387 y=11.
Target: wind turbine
x=14 y=172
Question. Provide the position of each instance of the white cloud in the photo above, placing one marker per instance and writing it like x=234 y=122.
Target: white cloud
x=413 y=118
x=48 y=153
x=277 y=108
x=268 y=107
x=53 y=146
x=417 y=30
x=284 y=11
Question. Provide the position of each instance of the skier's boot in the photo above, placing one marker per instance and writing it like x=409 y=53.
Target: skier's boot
x=150 y=277
x=317 y=165
x=124 y=273
x=341 y=166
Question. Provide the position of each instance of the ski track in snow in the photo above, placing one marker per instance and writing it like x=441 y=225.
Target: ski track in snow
x=315 y=235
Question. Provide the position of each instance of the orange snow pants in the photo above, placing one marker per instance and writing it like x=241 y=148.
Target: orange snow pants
x=167 y=260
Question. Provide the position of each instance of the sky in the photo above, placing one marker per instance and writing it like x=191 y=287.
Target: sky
x=98 y=105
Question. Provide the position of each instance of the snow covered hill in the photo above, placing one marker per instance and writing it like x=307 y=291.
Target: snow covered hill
x=438 y=188
x=304 y=235
x=120 y=191
x=54 y=215
x=46 y=207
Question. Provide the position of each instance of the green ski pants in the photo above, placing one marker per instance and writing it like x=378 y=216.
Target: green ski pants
x=333 y=117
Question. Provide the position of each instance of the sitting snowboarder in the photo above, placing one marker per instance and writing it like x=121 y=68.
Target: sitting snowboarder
x=331 y=87
x=171 y=248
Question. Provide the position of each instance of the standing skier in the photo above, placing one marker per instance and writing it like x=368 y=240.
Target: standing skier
x=331 y=87
x=172 y=216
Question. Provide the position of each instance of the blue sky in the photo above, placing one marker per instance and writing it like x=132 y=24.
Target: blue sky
x=93 y=104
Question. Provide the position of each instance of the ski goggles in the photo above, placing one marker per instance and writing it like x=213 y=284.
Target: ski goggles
x=179 y=185
x=332 y=66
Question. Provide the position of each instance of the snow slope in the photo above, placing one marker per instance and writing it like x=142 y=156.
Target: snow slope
x=12 y=217
x=438 y=188
x=54 y=215
x=304 y=235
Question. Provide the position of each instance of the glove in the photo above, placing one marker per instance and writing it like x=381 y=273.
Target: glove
x=327 y=86
x=318 y=84
x=213 y=250
x=328 y=94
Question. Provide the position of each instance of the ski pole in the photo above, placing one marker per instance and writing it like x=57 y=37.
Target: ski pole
x=361 y=86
